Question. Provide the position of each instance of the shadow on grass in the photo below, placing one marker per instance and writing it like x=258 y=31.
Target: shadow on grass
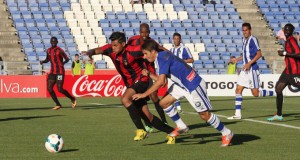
x=196 y=139
x=79 y=106
x=69 y=150
x=27 y=118
x=202 y=125
x=284 y=115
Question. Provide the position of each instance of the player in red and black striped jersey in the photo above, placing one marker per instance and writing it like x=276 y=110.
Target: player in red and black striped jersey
x=129 y=62
x=291 y=74
x=139 y=40
x=57 y=58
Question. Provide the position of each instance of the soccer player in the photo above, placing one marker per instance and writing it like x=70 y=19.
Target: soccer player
x=129 y=62
x=138 y=40
x=76 y=66
x=184 y=53
x=56 y=55
x=187 y=84
x=291 y=74
x=249 y=75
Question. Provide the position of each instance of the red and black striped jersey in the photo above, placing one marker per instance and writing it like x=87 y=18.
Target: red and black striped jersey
x=56 y=55
x=292 y=64
x=129 y=63
x=137 y=41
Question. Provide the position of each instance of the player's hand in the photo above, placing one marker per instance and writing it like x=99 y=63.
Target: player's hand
x=86 y=53
x=145 y=72
x=246 y=66
x=280 y=52
x=138 y=96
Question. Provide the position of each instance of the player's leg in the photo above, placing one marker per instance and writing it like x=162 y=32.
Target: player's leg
x=201 y=103
x=132 y=109
x=155 y=121
x=174 y=93
x=51 y=80
x=280 y=85
x=60 y=83
x=158 y=108
x=242 y=82
x=178 y=106
x=171 y=111
x=255 y=87
x=238 y=102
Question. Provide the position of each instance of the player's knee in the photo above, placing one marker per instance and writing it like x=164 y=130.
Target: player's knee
x=255 y=94
x=126 y=101
x=50 y=89
x=163 y=104
x=204 y=115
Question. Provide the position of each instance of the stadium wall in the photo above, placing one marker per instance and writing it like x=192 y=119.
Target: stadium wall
x=110 y=85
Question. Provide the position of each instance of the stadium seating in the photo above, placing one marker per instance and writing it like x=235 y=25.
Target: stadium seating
x=212 y=32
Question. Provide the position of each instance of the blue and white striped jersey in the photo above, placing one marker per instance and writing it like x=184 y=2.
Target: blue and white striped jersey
x=180 y=72
x=182 y=52
x=250 y=48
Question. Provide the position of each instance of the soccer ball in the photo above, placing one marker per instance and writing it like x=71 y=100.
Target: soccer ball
x=54 y=143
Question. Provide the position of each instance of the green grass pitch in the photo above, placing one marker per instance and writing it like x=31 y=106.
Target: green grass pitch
x=100 y=129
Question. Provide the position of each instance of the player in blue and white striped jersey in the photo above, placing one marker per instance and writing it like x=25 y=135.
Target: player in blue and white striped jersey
x=249 y=75
x=187 y=83
x=183 y=53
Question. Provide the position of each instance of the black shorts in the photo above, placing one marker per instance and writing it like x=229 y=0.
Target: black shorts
x=56 y=77
x=140 y=87
x=290 y=79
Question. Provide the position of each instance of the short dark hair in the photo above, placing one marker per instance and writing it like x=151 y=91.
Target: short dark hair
x=144 y=25
x=150 y=45
x=248 y=25
x=290 y=25
x=76 y=54
x=120 y=36
x=53 y=38
x=232 y=57
x=177 y=34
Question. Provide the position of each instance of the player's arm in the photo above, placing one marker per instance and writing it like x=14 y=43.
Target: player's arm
x=187 y=55
x=148 y=73
x=105 y=50
x=239 y=58
x=296 y=53
x=46 y=60
x=64 y=55
x=159 y=83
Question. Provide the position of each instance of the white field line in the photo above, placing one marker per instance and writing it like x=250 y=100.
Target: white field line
x=256 y=121
x=249 y=120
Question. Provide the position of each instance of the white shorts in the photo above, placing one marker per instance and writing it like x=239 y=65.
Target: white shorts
x=197 y=98
x=249 y=79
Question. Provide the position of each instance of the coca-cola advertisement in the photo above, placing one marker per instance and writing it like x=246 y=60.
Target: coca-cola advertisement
x=96 y=86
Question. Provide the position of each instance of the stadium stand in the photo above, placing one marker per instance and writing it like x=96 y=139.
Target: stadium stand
x=212 y=32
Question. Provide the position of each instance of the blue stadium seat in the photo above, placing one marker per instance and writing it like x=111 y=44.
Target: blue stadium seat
x=176 y=23
x=166 y=23
x=197 y=23
x=181 y=31
x=131 y=15
x=141 y=15
x=178 y=7
x=160 y=31
x=193 y=15
x=110 y=15
x=185 y=39
x=214 y=15
x=164 y=40
x=121 y=15
x=114 y=23
x=195 y=38
x=170 y=30
x=189 y=7
x=155 y=23
x=191 y=31
x=187 y=23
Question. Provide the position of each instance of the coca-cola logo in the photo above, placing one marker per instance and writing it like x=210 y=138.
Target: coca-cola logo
x=103 y=88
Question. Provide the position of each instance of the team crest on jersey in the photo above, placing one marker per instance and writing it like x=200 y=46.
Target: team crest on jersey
x=125 y=62
x=191 y=76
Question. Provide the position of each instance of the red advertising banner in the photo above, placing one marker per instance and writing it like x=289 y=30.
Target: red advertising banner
x=96 y=85
x=22 y=86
